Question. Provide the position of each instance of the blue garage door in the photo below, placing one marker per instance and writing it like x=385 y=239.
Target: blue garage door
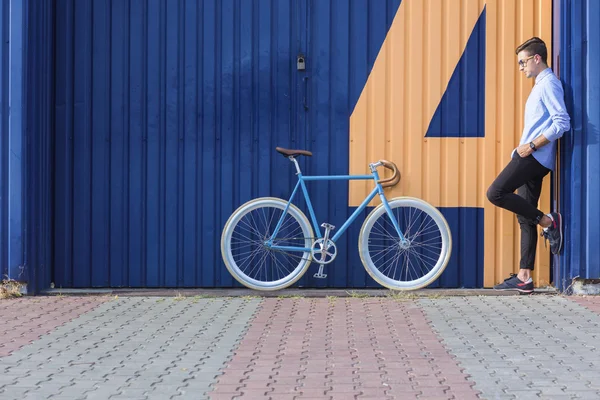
x=167 y=116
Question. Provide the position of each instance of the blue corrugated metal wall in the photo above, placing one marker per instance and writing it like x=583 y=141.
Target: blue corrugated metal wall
x=11 y=142
x=167 y=116
x=579 y=160
x=166 y=119
x=26 y=76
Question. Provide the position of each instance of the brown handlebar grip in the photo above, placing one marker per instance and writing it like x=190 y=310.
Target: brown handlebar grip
x=394 y=179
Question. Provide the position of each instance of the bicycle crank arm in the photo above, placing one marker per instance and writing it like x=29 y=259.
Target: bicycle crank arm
x=324 y=250
x=320 y=274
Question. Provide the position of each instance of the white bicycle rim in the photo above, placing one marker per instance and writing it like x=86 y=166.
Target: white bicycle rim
x=437 y=221
x=303 y=259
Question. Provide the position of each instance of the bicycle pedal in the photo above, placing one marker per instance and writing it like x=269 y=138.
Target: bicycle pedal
x=320 y=276
x=327 y=226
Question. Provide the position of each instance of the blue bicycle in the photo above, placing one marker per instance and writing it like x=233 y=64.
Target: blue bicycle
x=268 y=243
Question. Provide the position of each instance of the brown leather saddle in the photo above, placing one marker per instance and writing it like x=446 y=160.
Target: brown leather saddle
x=293 y=153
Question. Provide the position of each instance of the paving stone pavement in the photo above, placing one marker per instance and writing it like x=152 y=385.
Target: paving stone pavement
x=590 y=302
x=341 y=349
x=27 y=319
x=525 y=347
x=467 y=347
x=130 y=348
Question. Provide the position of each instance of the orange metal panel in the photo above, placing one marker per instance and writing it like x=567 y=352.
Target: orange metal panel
x=509 y=23
x=412 y=72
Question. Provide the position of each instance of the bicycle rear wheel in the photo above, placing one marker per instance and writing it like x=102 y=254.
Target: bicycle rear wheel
x=412 y=265
x=245 y=254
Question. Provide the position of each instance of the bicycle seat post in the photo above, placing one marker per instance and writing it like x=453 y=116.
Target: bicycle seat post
x=293 y=159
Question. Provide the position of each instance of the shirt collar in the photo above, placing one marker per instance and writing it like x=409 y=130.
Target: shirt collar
x=542 y=75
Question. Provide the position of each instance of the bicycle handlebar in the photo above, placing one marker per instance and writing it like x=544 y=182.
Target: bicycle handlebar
x=394 y=179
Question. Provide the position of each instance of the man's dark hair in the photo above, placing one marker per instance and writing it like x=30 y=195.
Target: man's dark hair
x=534 y=46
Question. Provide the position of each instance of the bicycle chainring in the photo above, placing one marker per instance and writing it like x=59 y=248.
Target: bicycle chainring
x=323 y=254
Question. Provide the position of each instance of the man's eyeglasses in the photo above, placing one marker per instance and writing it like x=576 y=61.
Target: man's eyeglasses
x=523 y=62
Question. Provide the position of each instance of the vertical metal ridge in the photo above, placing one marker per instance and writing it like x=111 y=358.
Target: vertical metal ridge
x=4 y=81
x=580 y=186
x=26 y=73
x=182 y=142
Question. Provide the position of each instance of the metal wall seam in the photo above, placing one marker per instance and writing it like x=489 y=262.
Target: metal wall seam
x=4 y=60
x=12 y=169
x=25 y=169
x=38 y=111
x=580 y=165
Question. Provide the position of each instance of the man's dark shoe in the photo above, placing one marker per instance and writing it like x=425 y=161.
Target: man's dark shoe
x=554 y=233
x=514 y=283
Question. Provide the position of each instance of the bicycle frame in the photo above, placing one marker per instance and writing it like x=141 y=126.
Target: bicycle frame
x=302 y=184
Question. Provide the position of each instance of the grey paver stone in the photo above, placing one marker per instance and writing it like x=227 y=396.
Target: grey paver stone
x=586 y=395
x=145 y=384
x=14 y=392
x=547 y=339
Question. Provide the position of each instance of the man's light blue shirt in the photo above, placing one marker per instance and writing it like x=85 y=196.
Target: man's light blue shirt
x=545 y=114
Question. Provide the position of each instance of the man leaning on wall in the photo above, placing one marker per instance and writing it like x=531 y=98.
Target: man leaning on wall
x=546 y=120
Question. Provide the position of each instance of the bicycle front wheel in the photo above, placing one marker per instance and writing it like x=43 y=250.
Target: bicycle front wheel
x=256 y=265
x=412 y=264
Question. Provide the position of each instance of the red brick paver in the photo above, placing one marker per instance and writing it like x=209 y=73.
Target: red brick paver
x=26 y=319
x=342 y=348
x=592 y=303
